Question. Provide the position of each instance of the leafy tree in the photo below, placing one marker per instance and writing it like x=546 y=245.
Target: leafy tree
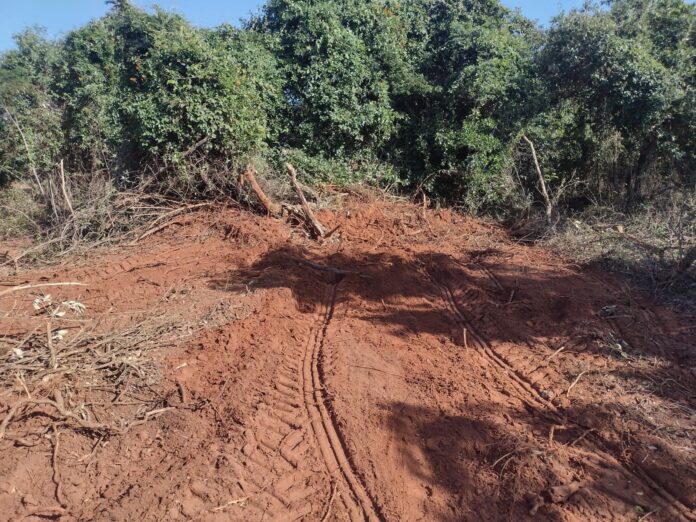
x=337 y=57
x=434 y=95
x=29 y=116
x=619 y=71
x=477 y=60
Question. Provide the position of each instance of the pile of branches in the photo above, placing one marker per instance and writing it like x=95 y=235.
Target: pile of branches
x=105 y=220
x=98 y=383
x=105 y=216
x=301 y=214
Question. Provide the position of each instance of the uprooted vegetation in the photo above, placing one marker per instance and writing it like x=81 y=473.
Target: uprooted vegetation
x=654 y=247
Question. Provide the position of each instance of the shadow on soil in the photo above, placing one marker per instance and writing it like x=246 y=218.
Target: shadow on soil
x=505 y=302
x=496 y=469
x=538 y=307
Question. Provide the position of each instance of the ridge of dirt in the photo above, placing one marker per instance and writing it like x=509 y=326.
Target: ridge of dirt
x=418 y=365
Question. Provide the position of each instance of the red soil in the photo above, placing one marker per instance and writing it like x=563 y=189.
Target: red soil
x=416 y=366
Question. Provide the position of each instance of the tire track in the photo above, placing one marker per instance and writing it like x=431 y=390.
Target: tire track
x=293 y=428
x=353 y=493
x=543 y=407
x=530 y=395
x=276 y=460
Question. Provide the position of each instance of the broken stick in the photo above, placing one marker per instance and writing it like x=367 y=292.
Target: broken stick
x=154 y=229
x=65 y=190
x=38 y=285
x=317 y=229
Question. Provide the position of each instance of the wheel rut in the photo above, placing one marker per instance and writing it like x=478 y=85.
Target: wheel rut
x=527 y=392
x=334 y=455
x=294 y=460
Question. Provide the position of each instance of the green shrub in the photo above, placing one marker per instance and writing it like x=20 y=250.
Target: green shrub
x=427 y=95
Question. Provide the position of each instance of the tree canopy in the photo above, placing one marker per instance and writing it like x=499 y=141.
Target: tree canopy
x=433 y=95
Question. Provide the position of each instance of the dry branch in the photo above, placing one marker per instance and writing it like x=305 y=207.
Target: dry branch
x=317 y=229
x=175 y=212
x=56 y=470
x=17 y=406
x=51 y=349
x=327 y=513
x=577 y=380
x=273 y=209
x=37 y=285
x=65 y=190
x=542 y=182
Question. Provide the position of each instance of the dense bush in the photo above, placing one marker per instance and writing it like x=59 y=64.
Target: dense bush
x=134 y=93
x=434 y=96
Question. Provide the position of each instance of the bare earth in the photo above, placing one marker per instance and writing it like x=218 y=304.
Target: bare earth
x=415 y=366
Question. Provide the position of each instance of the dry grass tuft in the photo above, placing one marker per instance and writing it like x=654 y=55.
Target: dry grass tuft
x=655 y=247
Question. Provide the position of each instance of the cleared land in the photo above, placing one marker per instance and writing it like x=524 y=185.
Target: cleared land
x=417 y=365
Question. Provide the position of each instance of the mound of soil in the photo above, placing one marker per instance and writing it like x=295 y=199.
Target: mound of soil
x=417 y=365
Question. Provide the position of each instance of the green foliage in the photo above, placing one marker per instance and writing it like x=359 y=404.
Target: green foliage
x=430 y=95
x=29 y=118
x=134 y=92
x=337 y=57
x=476 y=60
x=320 y=169
x=19 y=213
x=627 y=75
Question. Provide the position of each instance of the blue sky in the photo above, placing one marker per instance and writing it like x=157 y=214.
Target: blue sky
x=60 y=16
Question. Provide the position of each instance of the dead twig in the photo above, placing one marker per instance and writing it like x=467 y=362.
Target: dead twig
x=501 y=459
x=330 y=503
x=182 y=392
x=173 y=213
x=577 y=379
x=49 y=337
x=230 y=503
x=584 y=434
x=17 y=406
x=554 y=354
x=149 y=415
x=65 y=190
x=93 y=452
x=51 y=512
x=542 y=182
x=56 y=469
x=38 y=285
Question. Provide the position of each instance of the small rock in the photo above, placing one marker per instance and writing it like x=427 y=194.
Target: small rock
x=173 y=513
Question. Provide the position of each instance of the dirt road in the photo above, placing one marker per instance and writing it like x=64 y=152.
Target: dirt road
x=416 y=366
